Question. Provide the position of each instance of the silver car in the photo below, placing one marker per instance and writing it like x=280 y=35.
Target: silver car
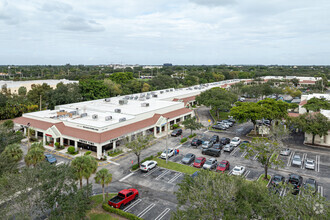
x=285 y=152
x=310 y=164
x=188 y=158
x=210 y=164
x=296 y=160
x=207 y=144
x=228 y=148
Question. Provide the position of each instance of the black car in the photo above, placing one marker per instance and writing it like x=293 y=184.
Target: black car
x=311 y=184
x=232 y=120
x=219 y=127
x=196 y=142
x=277 y=179
x=176 y=132
x=296 y=181
x=217 y=146
x=225 y=140
x=215 y=139
x=211 y=152
x=244 y=144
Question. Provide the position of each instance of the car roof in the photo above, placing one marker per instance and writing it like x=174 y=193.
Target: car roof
x=278 y=175
x=239 y=167
x=310 y=180
x=294 y=175
x=211 y=159
x=310 y=160
x=224 y=161
x=200 y=158
x=189 y=154
x=148 y=161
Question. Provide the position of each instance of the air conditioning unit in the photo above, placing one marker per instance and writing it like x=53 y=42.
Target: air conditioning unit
x=95 y=116
x=145 y=104
x=167 y=90
x=126 y=97
x=161 y=92
x=131 y=97
x=136 y=97
x=61 y=110
x=123 y=101
x=108 y=118
x=171 y=90
x=83 y=115
x=142 y=99
x=148 y=97
x=142 y=95
x=117 y=110
x=73 y=112
x=122 y=119
x=148 y=93
x=155 y=95
x=107 y=100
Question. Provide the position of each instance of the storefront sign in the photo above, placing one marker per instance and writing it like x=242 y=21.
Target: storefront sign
x=86 y=142
x=48 y=135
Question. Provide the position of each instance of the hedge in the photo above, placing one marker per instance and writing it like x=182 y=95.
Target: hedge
x=192 y=135
x=71 y=150
x=136 y=166
x=183 y=140
x=127 y=215
x=88 y=152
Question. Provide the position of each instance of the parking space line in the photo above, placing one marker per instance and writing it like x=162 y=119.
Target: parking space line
x=290 y=158
x=163 y=174
x=244 y=153
x=304 y=158
x=132 y=205
x=125 y=177
x=161 y=215
x=232 y=153
x=146 y=210
x=317 y=165
x=176 y=176
x=320 y=190
x=150 y=172
x=283 y=192
x=256 y=156
x=59 y=163
x=246 y=174
x=205 y=132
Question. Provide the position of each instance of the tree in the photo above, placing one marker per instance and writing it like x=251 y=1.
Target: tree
x=8 y=136
x=13 y=152
x=139 y=144
x=213 y=196
x=93 y=89
x=192 y=124
x=114 y=88
x=314 y=104
x=315 y=124
x=277 y=110
x=103 y=177
x=295 y=81
x=22 y=91
x=34 y=156
x=217 y=98
x=146 y=87
x=249 y=111
x=39 y=90
x=267 y=152
x=90 y=167
x=79 y=168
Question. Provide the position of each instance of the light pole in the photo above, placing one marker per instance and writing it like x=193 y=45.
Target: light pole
x=166 y=139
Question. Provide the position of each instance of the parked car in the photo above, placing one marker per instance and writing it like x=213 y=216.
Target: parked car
x=296 y=182
x=225 y=140
x=217 y=146
x=196 y=142
x=215 y=139
x=238 y=170
x=277 y=179
x=235 y=141
x=207 y=144
x=311 y=184
x=148 y=165
x=232 y=120
x=210 y=164
x=310 y=164
x=199 y=162
x=176 y=132
x=170 y=153
x=228 y=122
x=228 y=148
x=224 y=125
x=245 y=144
x=219 y=127
x=188 y=158
x=211 y=152
x=223 y=166
x=296 y=160
x=124 y=197
x=285 y=152
x=50 y=158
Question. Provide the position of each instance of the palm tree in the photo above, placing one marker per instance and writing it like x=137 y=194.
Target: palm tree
x=79 y=166
x=91 y=167
x=37 y=145
x=13 y=152
x=34 y=156
x=103 y=177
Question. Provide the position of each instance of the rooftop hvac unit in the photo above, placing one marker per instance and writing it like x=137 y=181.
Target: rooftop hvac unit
x=108 y=118
x=171 y=90
x=142 y=99
x=136 y=97
x=195 y=87
x=83 y=115
x=148 y=97
x=126 y=97
x=123 y=102
x=107 y=100
x=155 y=95
x=131 y=97
x=167 y=90
x=148 y=93
x=95 y=116
x=61 y=110
x=117 y=110
x=145 y=104
x=122 y=119
x=161 y=92
x=74 y=112
x=142 y=95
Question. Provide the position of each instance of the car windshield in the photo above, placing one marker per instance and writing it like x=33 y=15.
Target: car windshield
x=237 y=169
x=49 y=156
x=198 y=160
x=142 y=165
x=296 y=158
x=208 y=162
x=309 y=162
x=195 y=140
x=234 y=140
x=222 y=165
x=188 y=156
x=169 y=150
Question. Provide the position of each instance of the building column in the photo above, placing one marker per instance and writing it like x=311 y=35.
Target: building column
x=155 y=131
x=44 y=139
x=114 y=145
x=61 y=141
x=24 y=131
x=76 y=145
x=144 y=133
x=130 y=138
x=36 y=134
x=99 y=151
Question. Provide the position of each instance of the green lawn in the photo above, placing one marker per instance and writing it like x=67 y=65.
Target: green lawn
x=101 y=216
x=262 y=180
x=97 y=199
x=176 y=166
x=221 y=115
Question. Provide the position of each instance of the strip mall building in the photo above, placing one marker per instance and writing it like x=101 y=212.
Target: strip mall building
x=100 y=125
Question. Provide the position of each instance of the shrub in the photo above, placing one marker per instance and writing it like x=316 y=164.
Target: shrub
x=127 y=215
x=57 y=144
x=183 y=140
x=18 y=132
x=114 y=152
x=88 y=152
x=33 y=139
x=71 y=150
x=175 y=126
x=192 y=135
x=159 y=153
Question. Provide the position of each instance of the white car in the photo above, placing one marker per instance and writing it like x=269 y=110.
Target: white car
x=207 y=144
x=285 y=152
x=170 y=153
x=296 y=160
x=238 y=170
x=310 y=164
x=148 y=165
x=235 y=141
x=224 y=124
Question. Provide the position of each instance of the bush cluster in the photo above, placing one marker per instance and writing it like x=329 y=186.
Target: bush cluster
x=175 y=126
x=114 y=152
x=192 y=135
x=183 y=140
x=88 y=152
x=71 y=150
x=127 y=215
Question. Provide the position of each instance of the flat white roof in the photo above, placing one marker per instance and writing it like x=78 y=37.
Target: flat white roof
x=15 y=84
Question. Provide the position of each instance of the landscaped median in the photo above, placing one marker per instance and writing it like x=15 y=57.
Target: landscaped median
x=126 y=215
x=176 y=166
x=263 y=181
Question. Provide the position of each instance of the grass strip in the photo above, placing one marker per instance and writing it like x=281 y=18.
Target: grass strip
x=176 y=166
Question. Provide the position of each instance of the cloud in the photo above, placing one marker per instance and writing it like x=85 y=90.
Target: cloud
x=56 y=6
x=212 y=3
x=8 y=13
x=80 y=24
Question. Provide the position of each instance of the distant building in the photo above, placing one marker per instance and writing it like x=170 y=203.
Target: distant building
x=167 y=64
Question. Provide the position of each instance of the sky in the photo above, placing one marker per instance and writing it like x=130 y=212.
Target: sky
x=181 y=32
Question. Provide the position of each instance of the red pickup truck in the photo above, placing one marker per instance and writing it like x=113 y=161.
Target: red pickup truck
x=125 y=196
